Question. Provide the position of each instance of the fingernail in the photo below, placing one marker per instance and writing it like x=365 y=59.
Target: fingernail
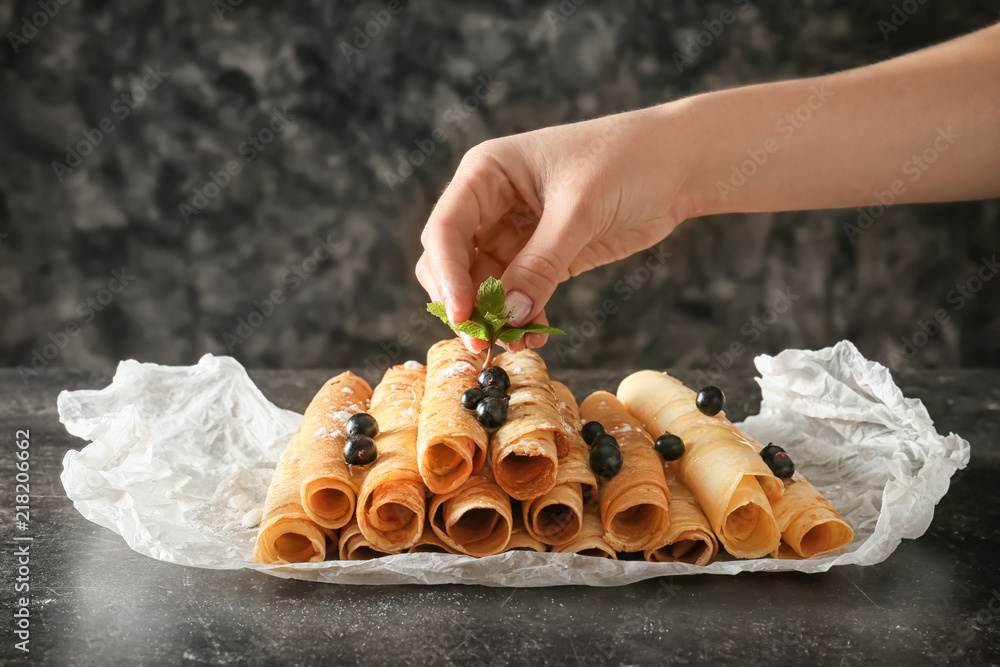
x=535 y=340
x=521 y=304
x=467 y=340
x=450 y=309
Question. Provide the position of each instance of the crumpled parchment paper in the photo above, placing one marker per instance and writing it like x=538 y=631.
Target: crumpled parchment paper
x=180 y=459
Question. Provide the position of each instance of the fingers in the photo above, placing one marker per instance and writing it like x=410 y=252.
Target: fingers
x=429 y=282
x=478 y=196
x=543 y=263
x=426 y=278
x=473 y=344
x=536 y=340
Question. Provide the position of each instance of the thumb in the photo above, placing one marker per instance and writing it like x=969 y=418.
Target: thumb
x=543 y=263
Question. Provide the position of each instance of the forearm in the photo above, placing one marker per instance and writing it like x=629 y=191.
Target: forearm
x=923 y=127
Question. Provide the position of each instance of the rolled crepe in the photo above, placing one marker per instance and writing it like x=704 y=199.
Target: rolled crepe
x=354 y=546
x=287 y=534
x=329 y=488
x=810 y=526
x=690 y=538
x=734 y=486
x=556 y=517
x=526 y=449
x=475 y=518
x=451 y=443
x=590 y=540
x=521 y=540
x=635 y=503
x=430 y=543
x=391 y=504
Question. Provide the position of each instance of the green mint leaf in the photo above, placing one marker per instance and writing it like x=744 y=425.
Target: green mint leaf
x=494 y=324
x=489 y=318
x=492 y=298
x=473 y=329
x=437 y=309
x=476 y=329
x=483 y=319
x=512 y=334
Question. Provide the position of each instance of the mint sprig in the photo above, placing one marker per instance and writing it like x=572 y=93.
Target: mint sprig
x=489 y=318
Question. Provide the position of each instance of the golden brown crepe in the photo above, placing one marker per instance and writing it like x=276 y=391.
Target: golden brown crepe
x=430 y=543
x=451 y=443
x=734 y=486
x=287 y=534
x=590 y=540
x=556 y=517
x=635 y=503
x=810 y=526
x=526 y=449
x=520 y=540
x=354 y=546
x=391 y=504
x=475 y=518
x=329 y=488
x=690 y=538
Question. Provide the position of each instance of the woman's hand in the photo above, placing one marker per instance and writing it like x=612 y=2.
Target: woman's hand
x=537 y=208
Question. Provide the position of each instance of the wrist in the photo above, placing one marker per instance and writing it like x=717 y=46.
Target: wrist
x=736 y=149
x=694 y=137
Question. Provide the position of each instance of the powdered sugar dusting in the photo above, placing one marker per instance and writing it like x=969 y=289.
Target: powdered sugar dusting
x=458 y=369
x=347 y=390
x=412 y=365
x=342 y=415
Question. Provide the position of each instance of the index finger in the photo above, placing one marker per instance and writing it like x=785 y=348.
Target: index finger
x=478 y=196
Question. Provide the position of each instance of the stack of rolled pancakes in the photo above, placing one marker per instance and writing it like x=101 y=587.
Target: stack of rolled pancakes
x=442 y=483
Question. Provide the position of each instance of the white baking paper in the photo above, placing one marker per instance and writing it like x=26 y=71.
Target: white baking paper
x=180 y=459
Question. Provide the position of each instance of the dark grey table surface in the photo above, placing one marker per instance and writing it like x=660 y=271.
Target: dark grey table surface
x=93 y=601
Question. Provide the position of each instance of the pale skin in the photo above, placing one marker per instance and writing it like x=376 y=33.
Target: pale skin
x=538 y=208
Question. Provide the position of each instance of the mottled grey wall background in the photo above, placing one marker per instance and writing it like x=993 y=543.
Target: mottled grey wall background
x=222 y=182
